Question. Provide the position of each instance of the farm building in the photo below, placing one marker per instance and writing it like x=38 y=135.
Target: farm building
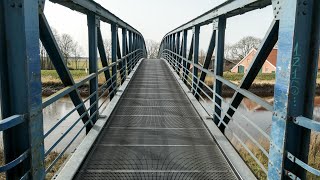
x=268 y=67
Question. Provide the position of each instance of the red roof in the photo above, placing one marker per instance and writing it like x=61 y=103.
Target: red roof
x=272 y=58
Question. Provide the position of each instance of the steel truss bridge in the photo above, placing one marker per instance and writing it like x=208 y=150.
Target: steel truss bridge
x=163 y=120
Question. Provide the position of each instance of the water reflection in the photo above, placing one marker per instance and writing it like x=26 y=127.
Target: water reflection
x=53 y=113
x=247 y=110
x=251 y=111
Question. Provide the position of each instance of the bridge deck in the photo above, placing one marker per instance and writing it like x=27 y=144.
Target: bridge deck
x=155 y=133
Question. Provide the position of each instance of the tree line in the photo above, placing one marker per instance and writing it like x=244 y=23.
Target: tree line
x=73 y=52
x=69 y=48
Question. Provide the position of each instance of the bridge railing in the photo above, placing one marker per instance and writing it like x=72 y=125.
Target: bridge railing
x=295 y=28
x=22 y=25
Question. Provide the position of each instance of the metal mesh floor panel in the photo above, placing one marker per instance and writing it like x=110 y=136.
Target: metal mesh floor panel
x=152 y=102
x=172 y=96
x=157 y=175
x=156 y=122
x=155 y=133
x=163 y=136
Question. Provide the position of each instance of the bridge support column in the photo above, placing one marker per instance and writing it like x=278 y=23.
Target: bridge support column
x=184 y=51
x=124 y=53
x=297 y=65
x=21 y=94
x=114 y=32
x=130 y=51
x=196 y=34
x=218 y=67
x=93 y=24
x=178 y=52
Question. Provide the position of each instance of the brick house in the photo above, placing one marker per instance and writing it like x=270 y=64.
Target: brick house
x=268 y=67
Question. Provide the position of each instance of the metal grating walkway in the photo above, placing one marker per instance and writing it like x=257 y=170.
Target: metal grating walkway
x=155 y=133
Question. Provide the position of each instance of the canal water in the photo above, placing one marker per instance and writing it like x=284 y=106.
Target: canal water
x=247 y=111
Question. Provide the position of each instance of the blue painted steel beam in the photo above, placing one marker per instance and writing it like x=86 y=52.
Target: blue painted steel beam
x=119 y=57
x=196 y=37
x=52 y=48
x=174 y=44
x=21 y=93
x=104 y=62
x=206 y=63
x=93 y=23
x=184 y=50
x=218 y=66
x=127 y=52
x=114 y=34
x=177 y=50
x=179 y=58
x=260 y=57
x=297 y=65
x=124 y=53
x=130 y=50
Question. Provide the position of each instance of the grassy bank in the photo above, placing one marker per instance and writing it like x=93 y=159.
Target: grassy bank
x=314 y=157
x=50 y=158
x=51 y=76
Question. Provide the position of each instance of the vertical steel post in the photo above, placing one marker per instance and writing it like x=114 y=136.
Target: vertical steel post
x=93 y=23
x=184 y=51
x=177 y=51
x=218 y=65
x=170 y=48
x=130 y=51
x=196 y=34
x=20 y=73
x=134 y=47
x=124 y=53
x=298 y=48
x=174 y=50
x=114 y=32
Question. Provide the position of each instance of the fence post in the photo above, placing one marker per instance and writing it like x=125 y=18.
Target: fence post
x=20 y=73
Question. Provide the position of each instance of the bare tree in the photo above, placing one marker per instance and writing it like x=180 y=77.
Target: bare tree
x=152 y=48
x=202 y=56
x=239 y=50
x=67 y=46
x=107 y=47
x=77 y=53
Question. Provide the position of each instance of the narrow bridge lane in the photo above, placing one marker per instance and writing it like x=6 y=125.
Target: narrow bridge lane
x=155 y=133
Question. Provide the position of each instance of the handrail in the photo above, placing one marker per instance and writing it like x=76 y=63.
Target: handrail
x=11 y=122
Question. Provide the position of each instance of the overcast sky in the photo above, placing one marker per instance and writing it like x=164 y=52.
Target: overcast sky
x=154 y=18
